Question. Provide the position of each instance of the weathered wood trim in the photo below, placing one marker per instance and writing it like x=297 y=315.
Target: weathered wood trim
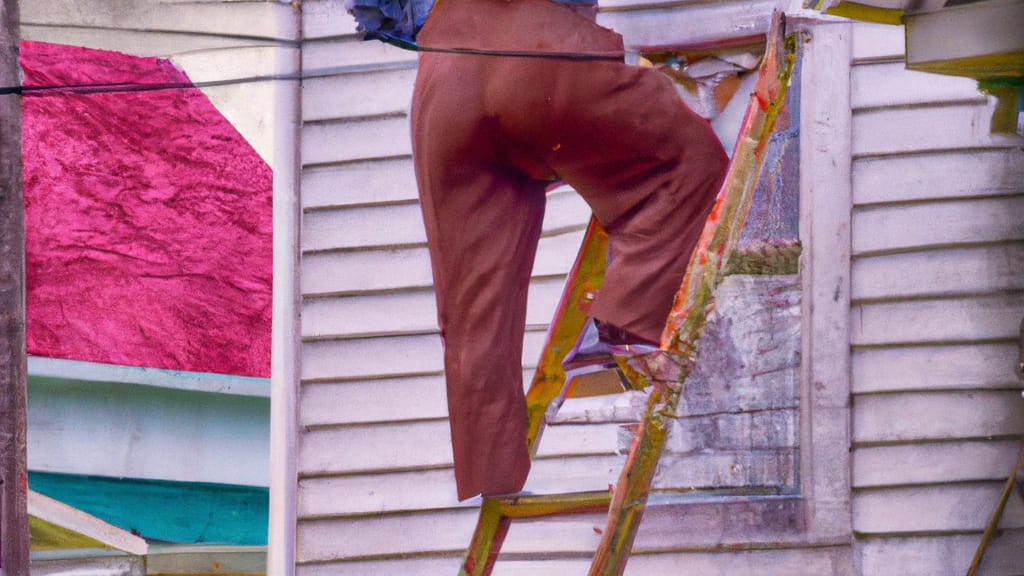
x=91 y=562
x=14 y=530
x=825 y=221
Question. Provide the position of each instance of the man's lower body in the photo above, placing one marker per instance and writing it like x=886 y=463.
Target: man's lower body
x=489 y=134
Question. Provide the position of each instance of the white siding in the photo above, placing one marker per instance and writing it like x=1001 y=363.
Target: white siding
x=372 y=401
x=937 y=299
x=376 y=494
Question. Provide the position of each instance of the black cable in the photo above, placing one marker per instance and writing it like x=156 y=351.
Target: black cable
x=116 y=87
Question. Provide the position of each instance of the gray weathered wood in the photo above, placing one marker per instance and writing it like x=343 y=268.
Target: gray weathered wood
x=773 y=469
x=749 y=352
x=14 y=552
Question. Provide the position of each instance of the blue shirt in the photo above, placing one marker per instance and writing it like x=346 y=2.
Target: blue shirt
x=398 y=21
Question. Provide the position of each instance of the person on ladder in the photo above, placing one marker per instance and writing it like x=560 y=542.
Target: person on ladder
x=511 y=95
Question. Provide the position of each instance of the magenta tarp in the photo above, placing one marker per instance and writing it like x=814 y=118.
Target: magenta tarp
x=147 y=220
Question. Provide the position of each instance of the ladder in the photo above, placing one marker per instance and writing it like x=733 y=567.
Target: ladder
x=663 y=371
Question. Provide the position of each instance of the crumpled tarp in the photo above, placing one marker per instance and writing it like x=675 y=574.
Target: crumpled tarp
x=147 y=217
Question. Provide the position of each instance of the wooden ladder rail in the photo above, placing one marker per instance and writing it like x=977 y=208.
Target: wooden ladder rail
x=665 y=369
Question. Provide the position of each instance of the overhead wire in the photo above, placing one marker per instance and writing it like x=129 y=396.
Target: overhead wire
x=120 y=87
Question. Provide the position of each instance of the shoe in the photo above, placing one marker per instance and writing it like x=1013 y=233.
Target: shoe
x=589 y=354
x=597 y=347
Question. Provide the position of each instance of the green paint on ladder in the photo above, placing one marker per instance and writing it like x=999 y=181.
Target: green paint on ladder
x=165 y=511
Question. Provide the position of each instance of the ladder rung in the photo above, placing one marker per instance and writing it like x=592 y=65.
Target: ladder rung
x=538 y=505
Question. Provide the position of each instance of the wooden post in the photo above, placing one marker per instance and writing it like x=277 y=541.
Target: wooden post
x=14 y=534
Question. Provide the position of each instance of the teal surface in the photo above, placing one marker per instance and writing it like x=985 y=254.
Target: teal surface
x=158 y=510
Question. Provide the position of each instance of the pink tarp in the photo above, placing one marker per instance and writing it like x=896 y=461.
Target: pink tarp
x=148 y=220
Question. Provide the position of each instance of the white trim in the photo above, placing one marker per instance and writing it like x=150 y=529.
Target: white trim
x=286 y=330
x=80 y=371
x=56 y=512
x=825 y=222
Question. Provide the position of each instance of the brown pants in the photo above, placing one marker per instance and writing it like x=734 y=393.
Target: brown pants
x=489 y=132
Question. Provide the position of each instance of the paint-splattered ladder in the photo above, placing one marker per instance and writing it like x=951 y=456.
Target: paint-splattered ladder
x=664 y=370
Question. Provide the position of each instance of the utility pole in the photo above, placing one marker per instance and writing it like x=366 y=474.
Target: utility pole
x=14 y=535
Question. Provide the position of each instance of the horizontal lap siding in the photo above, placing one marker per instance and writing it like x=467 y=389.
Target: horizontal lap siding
x=760 y=562
x=152 y=27
x=937 y=299
x=375 y=477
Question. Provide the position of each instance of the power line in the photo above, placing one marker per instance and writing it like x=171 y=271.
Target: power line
x=120 y=87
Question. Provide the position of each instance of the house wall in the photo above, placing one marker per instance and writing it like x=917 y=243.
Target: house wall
x=938 y=254
x=374 y=458
x=375 y=488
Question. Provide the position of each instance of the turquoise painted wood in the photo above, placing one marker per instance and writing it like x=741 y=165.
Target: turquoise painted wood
x=165 y=511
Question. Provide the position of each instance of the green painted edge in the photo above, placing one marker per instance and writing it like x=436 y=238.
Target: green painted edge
x=865 y=13
x=163 y=510
x=49 y=536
